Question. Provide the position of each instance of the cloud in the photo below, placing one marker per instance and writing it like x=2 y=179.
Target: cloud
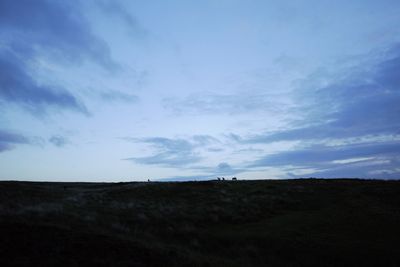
x=169 y=152
x=314 y=156
x=114 y=8
x=173 y=152
x=8 y=140
x=58 y=140
x=169 y=144
x=52 y=30
x=350 y=128
x=204 y=140
x=372 y=170
x=184 y=154
x=223 y=168
x=223 y=103
x=18 y=87
x=207 y=173
x=56 y=27
x=117 y=96
x=168 y=159
x=355 y=160
x=365 y=102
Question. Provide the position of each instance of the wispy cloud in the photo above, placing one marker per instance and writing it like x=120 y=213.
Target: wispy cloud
x=222 y=169
x=8 y=140
x=56 y=30
x=169 y=152
x=354 y=116
x=114 y=8
x=224 y=103
x=117 y=96
x=185 y=154
x=58 y=140
x=365 y=102
x=323 y=155
x=208 y=173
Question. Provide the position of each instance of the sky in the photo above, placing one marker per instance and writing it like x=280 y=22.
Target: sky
x=119 y=90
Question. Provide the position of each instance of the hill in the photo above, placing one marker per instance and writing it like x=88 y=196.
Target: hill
x=305 y=222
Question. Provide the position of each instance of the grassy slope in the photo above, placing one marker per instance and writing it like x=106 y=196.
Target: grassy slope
x=242 y=223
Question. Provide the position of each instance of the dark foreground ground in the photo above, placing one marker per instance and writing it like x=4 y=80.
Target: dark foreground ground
x=231 y=223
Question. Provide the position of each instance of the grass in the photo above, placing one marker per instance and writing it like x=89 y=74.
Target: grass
x=305 y=222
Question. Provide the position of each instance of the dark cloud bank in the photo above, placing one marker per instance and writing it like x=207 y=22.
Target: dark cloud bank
x=31 y=29
x=18 y=87
x=363 y=106
x=55 y=30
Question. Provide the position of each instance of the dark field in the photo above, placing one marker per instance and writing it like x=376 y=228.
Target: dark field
x=228 y=223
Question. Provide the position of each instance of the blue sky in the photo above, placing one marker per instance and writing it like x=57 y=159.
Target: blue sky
x=129 y=90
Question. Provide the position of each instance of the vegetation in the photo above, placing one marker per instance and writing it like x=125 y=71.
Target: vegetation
x=305 y=222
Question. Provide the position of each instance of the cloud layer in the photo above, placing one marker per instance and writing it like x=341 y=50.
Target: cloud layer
x=366 y=102
x=18 y=87
x=224 y=104
x=50 y=30
x=8 y=140
x=354 y=117
x=169 y=152
x=201 y=89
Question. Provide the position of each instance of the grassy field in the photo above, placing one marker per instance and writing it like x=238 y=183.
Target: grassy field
x=307 y=222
